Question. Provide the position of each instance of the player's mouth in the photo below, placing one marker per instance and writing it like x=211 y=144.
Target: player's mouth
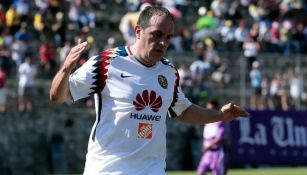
x=159 y=50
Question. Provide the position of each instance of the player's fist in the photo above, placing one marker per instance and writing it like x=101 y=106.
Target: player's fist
x=231 y=111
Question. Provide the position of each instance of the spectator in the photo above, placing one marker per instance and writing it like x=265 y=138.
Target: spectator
x=58 y=28
x=205 y=25
x=5 y=61
x=23 y=35
x=110 y=43
x=81 y=15
x=227 y=32
x=185 y=77
x=22 y=9
x=219 y=8
x=18 y=51
x=210 y=52
x=296 y=87
x=265 y=93
x=256 y=102
x=171 y=6
x=241 y=34
x=42 y=5
x=251 y=48
x=12 y=19
x=64 y=51
x=47 y=58
x=26 y=86
x=199 y=69
x=286 y=38
x=127 y=24
x=2 y=16
x=279 y=93
x=7 y=37
x=2 y=90
x=219 y=73
x=298 y=38
x=275 y=43
x=256 y=11
x=39 y=22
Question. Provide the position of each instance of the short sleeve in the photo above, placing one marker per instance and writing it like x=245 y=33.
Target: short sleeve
x=81 y=82
x=181 y=103
x=91 y=77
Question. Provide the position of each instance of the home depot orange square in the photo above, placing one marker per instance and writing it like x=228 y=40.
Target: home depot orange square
x=145 y=131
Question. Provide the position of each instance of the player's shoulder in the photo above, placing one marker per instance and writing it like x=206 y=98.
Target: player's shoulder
x=114 y=52
x=107 y=56
x=167 y=62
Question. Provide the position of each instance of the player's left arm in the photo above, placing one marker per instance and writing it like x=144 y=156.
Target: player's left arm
x=218 y=139
x=195 y=114
x=214 y=142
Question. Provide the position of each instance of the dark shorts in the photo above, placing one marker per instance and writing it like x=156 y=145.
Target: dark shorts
x=26 y=91
x=256 y=91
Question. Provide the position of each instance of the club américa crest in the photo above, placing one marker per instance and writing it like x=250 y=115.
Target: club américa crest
x=162 y=81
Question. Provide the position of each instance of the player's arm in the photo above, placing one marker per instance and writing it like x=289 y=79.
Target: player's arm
x=216 y=141
x=198 y=115
x=59 y=91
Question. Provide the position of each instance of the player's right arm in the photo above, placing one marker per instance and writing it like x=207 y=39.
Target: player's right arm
x=59 y=91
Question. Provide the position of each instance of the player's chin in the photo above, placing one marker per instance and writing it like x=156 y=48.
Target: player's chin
x=158 y=54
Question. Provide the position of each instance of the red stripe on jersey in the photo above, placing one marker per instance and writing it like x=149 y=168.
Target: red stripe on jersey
x=129 y=50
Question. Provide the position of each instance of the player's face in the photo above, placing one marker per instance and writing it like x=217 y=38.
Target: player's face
x=155 y=39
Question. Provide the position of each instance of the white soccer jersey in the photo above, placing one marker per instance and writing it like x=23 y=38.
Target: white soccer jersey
x=131 y=102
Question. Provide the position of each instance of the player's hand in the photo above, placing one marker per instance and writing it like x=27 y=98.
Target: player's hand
x=231 y=111
x=75 y=54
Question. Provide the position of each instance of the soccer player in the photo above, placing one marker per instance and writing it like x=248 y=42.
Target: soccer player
x=134 y=89
x=213 y=159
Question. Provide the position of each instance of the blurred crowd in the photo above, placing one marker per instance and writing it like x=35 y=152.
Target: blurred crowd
x=43 y=31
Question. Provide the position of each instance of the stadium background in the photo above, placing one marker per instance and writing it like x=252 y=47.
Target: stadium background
x=52 y=138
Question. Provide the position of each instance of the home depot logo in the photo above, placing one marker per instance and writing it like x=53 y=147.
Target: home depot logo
x=147 y=99
x=145 y=130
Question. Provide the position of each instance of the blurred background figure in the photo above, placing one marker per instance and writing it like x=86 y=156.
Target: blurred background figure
x=129 y=20
x=206 y=25
x=27 y=72
x=110 y=43
x=250 y=51
x=213 y=159
x=2 y=90
x=255 y=76
x=279 y=93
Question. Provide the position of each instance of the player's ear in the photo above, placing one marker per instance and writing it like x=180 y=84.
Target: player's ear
x=137 y=31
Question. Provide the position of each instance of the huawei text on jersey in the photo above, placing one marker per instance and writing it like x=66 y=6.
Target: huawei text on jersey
x=145 y=117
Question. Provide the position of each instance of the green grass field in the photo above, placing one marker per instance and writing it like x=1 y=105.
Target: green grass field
x=264 y=171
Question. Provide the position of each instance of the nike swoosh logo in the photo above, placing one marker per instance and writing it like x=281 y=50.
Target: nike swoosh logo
x=125 y=76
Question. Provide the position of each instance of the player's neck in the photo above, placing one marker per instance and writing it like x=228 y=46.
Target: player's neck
x=135 y=52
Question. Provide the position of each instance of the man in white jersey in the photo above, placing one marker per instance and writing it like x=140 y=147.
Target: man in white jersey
x=134 y=89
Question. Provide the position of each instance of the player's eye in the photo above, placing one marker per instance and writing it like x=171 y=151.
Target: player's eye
x=157 y=34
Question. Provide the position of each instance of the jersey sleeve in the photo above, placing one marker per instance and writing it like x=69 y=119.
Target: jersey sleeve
x=91 y=77
x=180 y=102
x=81 y=82
x=180 y=105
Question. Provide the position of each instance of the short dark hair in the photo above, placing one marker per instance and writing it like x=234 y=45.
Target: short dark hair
x=215 y=104
x=151 y=11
